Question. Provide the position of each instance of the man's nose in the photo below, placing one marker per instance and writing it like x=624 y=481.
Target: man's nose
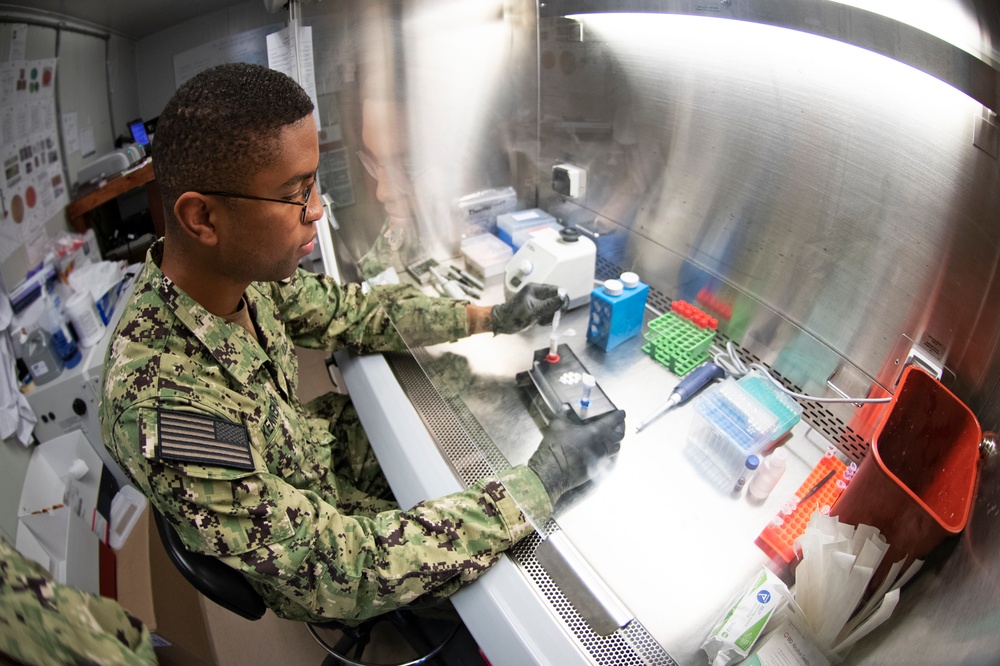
x=314 y=207
x=385 y=189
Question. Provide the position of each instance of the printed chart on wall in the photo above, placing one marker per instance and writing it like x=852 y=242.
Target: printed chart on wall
x=33 y=188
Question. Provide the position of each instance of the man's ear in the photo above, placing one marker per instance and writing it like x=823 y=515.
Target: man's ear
x=192 y=211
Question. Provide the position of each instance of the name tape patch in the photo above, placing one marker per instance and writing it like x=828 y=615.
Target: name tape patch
x=203 y=440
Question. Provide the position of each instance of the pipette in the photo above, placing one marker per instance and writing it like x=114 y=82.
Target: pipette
x=700 y=377
x=449 y=287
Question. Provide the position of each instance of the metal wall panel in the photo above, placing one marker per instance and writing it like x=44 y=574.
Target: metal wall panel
x=834 y=198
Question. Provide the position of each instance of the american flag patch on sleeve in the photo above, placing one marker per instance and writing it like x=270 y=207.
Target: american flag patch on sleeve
x=203 y=440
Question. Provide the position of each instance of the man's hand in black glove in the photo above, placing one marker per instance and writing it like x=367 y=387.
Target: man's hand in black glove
x=570 y=451
x=533 y=304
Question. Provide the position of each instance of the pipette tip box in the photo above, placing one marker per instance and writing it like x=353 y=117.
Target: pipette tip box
x=785 y=409
x=486 y=255
x=518 y=227
x=729 y=425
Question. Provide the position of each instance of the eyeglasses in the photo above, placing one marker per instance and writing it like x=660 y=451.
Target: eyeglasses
x=399 y=176
x=304 y=203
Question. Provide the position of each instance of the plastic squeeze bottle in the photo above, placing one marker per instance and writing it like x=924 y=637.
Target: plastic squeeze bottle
x=768 y=474
x=60 y=337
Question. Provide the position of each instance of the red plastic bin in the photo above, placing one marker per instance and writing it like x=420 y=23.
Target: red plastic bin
x=918 y=481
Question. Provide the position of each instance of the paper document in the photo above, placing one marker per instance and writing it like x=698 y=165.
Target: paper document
x=281 y=56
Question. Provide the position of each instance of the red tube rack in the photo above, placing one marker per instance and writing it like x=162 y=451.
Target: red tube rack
x=778 y=542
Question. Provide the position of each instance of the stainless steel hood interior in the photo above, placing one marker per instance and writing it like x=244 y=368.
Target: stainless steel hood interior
x=827 y=173
x=769 y=107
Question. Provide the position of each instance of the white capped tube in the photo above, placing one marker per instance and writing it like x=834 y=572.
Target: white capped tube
x=589 y=383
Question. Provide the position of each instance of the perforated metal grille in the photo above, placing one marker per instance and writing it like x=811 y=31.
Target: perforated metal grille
x=473 y=455
x=455 y=430
x=631 y=646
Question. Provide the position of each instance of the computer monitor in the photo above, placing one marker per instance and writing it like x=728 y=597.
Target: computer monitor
x=138 y=130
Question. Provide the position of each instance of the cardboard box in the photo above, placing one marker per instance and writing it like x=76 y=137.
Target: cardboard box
x=151 y=588
x=57 y=515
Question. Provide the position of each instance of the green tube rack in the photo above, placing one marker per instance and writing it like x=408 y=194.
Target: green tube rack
x=676 y=341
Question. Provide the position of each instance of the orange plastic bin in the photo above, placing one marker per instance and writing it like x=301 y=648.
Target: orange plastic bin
x=918 y=481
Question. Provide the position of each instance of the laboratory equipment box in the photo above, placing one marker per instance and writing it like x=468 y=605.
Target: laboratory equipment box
x=58 y=517
x=486 y=255
x=478 y=211
x=517 y=228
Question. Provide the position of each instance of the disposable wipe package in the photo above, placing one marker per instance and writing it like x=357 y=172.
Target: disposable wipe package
x=744 y=622
x=788 y=644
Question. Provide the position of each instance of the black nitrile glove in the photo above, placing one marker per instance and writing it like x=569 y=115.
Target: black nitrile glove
x=534 y=304
x=570 y=450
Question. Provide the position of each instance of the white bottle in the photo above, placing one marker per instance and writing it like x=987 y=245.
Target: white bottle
x=768 y=474
x=86 y=322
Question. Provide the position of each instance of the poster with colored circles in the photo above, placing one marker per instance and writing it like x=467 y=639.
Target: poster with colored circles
x=32 y=185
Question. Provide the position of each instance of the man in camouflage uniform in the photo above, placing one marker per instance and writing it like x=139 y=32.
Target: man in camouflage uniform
x=200 y=405
x=44 y=622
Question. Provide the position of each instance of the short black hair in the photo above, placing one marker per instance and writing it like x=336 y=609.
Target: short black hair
x=222 y=127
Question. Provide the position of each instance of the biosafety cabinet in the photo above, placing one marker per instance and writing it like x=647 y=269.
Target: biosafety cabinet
x=821 y=177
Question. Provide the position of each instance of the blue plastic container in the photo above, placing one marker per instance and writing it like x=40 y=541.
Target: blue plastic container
x=616 y=311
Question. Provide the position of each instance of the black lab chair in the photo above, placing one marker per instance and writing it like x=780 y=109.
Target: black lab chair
x=228 y=588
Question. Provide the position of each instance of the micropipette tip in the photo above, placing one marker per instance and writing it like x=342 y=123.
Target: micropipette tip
x=671 y=401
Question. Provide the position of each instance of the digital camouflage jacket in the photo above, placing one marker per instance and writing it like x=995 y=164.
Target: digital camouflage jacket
x=206 y=422
x=45 y=622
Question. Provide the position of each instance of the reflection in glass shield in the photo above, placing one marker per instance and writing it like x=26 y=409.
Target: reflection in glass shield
x=437 y=116
x=423 y=93
x=385 y=152
x=437 y=120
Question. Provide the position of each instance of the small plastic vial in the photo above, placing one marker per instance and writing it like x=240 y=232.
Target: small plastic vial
x=749 y=466
x=768 y=475
x=589 y=383
x=553 y=355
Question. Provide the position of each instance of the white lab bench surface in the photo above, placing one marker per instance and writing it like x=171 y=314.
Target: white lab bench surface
x=672 y=547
